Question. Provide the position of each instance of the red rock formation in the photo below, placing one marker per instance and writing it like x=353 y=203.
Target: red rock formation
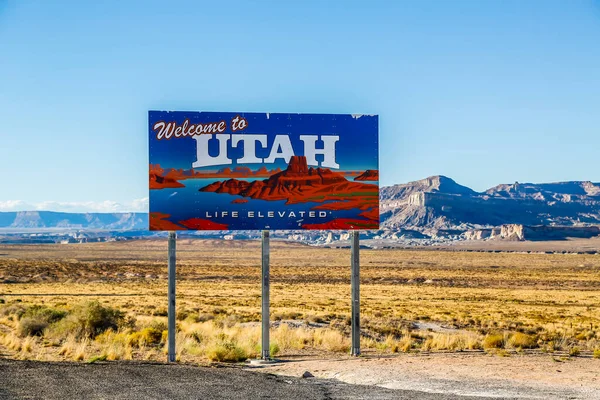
x=299 y=174
x=181 y=174
x=262 y=171
x=344 y=223
x=297 y=166
x=158 y=179
x=239 y=201
x=203 y=224
x=243 y=171
x=372 y=214
x=237 y=172
x=298 y=183
x=368 y=175
x=156 y=169
x=159 y=222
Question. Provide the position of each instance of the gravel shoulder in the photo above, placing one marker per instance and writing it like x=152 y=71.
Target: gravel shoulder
x=134 y=380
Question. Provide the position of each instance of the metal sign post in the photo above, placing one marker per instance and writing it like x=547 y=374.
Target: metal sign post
x=171 y=328
x=265 y=355
x=355 y=284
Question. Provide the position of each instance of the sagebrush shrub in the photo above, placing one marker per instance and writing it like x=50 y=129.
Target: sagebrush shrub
x=13 y=310
x=88 y=320
x=150 y=336
x=523 y=341
x=39 y=312
x=226 y=351
x=31 y=327
x=35 y=319
x=493 y=341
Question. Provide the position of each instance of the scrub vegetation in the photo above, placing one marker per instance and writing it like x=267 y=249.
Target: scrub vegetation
x=107 y=301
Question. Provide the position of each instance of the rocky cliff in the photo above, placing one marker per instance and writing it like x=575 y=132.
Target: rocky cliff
x=439 y=203
x=517 y=232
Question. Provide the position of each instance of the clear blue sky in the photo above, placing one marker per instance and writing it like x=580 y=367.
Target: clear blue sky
x=485 y=92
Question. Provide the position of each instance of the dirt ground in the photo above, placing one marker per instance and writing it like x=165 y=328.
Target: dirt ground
x=570 y=245
x=462 y=374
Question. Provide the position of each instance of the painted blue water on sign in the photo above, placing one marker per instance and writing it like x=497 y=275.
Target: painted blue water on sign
x=188 y=202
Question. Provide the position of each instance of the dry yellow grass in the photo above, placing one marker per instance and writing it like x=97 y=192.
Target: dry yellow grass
x=548 y=302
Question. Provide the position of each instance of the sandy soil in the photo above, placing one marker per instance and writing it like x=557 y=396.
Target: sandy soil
x=571 y=246
x=530 y=376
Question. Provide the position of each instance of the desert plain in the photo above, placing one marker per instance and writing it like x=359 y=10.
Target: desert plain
x=508 y=311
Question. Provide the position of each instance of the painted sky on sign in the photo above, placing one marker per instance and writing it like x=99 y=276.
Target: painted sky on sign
x=485 y=92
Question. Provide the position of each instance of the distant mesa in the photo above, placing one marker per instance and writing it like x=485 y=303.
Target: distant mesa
x=93 y=221
x=368 y=175
x=239 y=201
x=264 y=171
x=237 y=171
x=299 y=183
x=242 y=170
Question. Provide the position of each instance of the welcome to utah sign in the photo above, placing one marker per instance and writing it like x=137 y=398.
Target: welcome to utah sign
x=242 y=171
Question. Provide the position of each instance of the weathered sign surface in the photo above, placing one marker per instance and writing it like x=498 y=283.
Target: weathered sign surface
x=243 y=171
